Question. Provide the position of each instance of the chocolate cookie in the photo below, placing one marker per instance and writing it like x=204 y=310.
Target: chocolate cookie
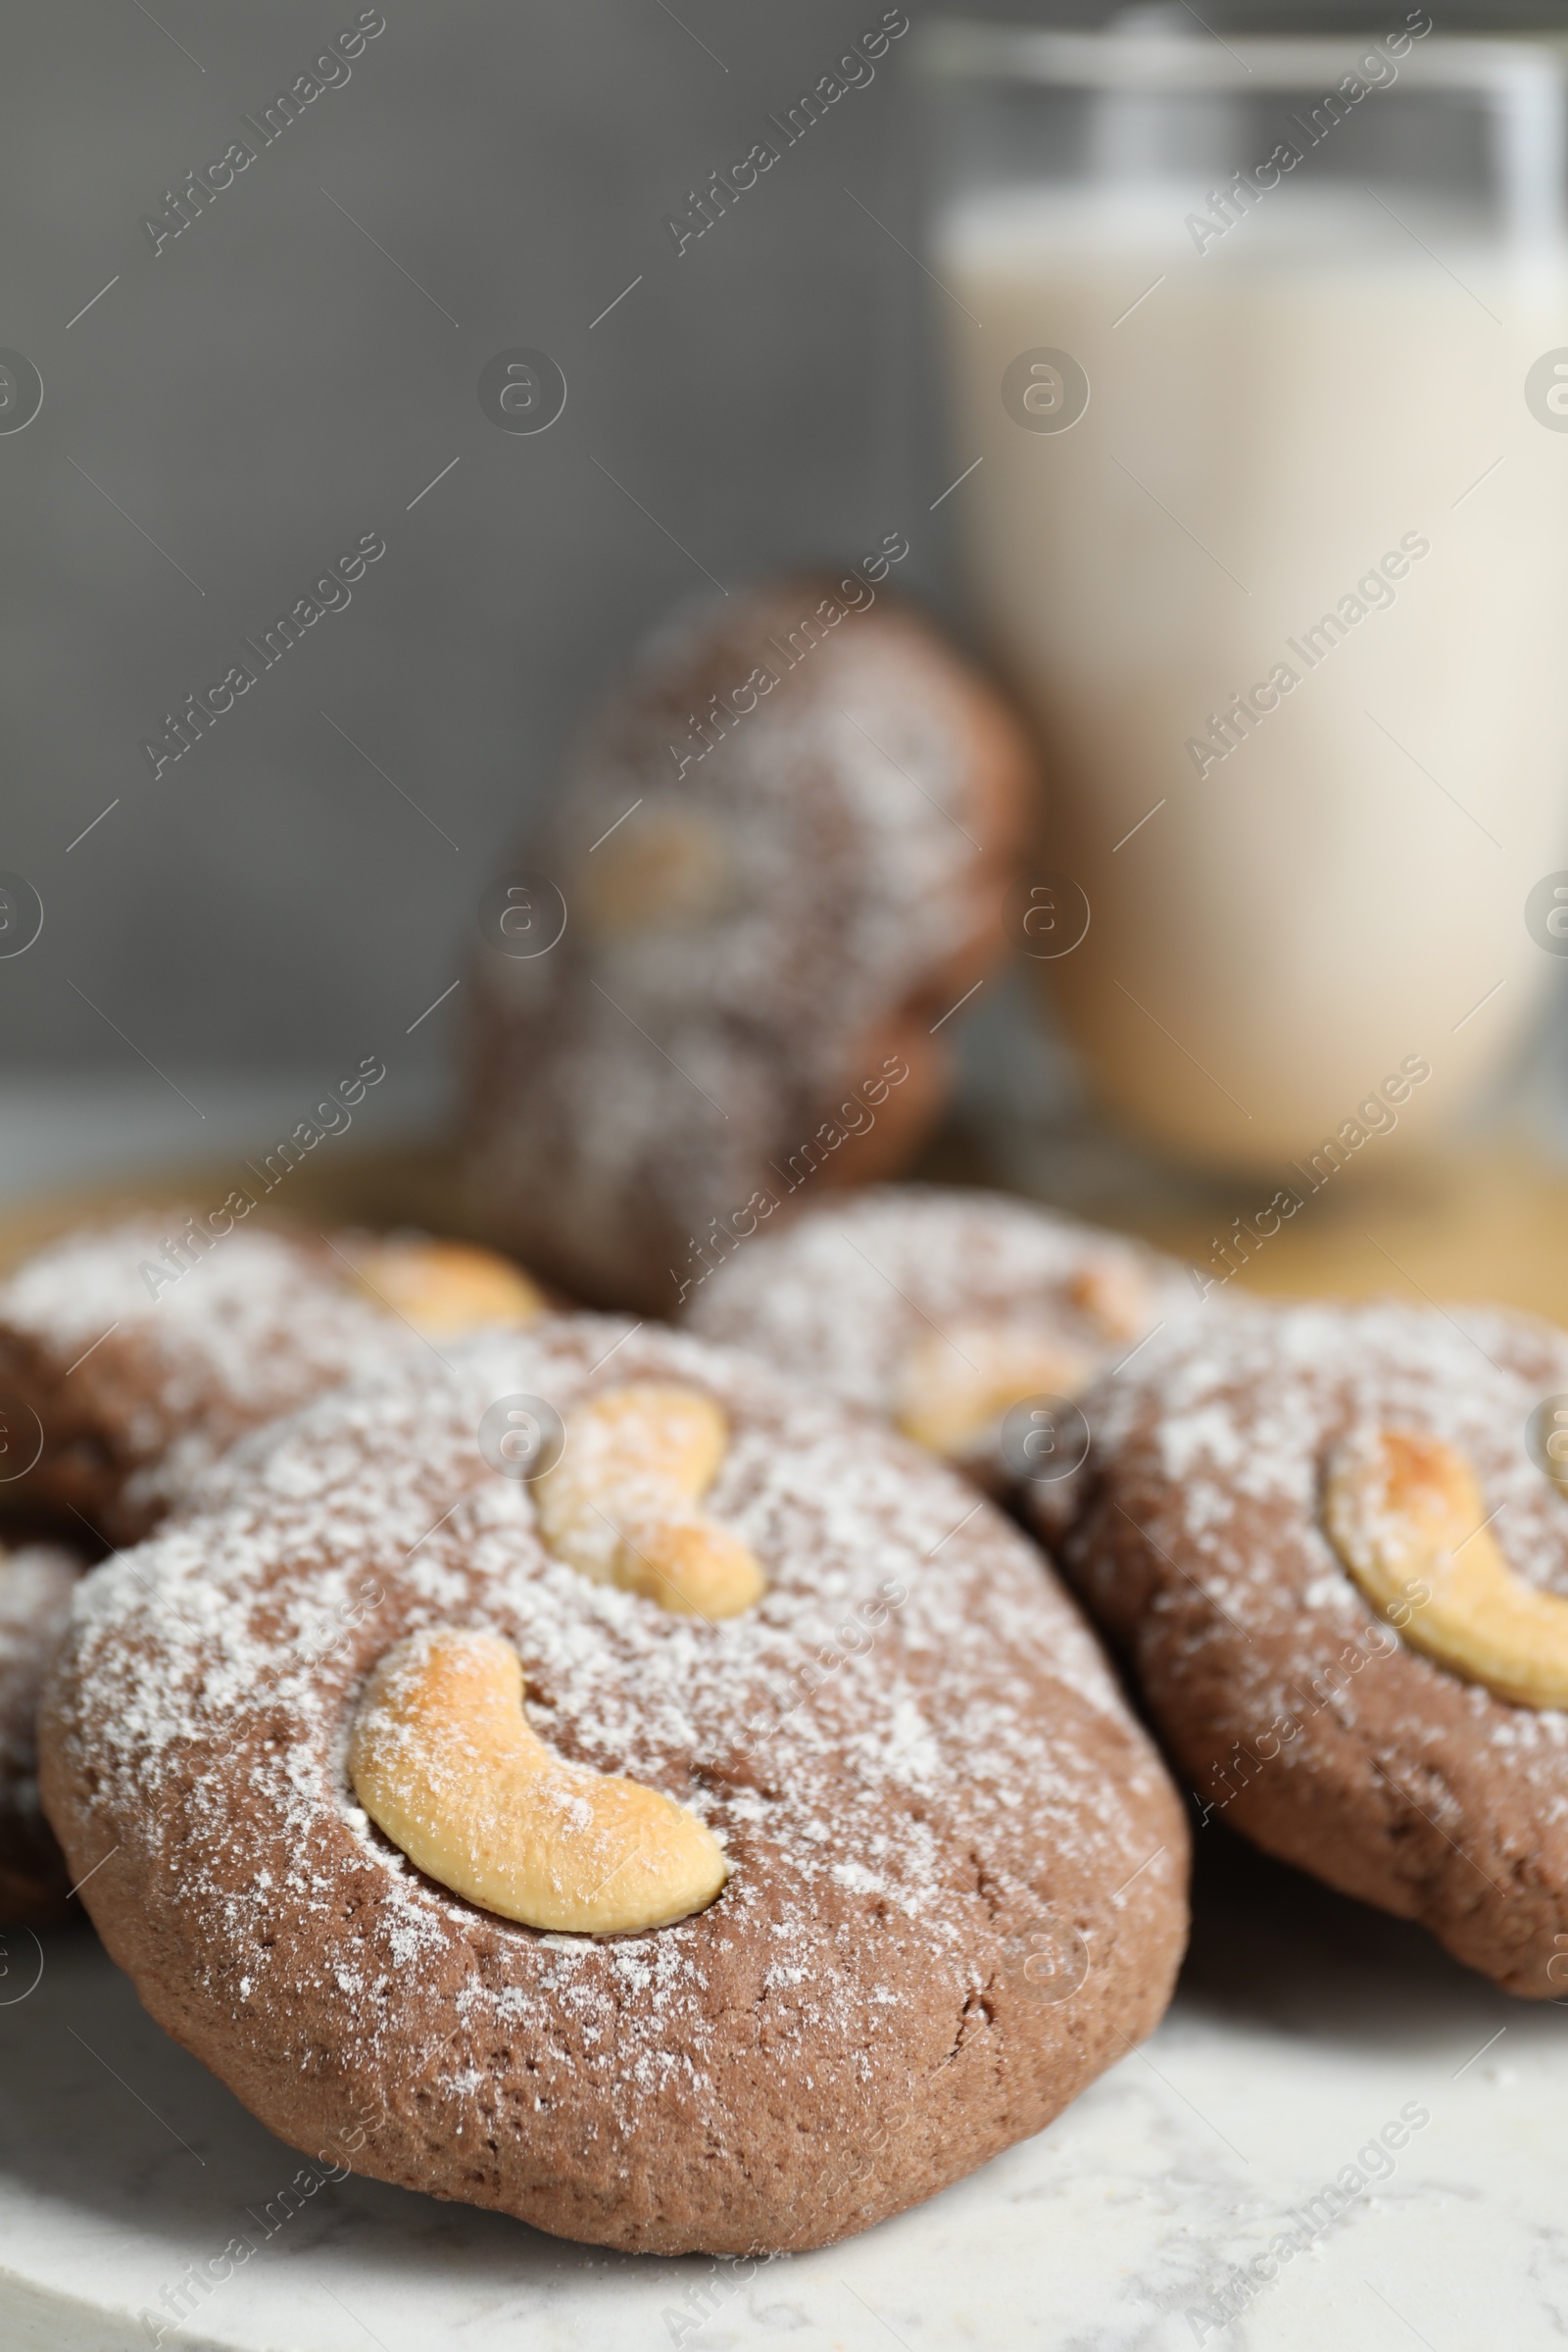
x=1325 y=1540
x=822 y=1860
x=131 y=1356
x=780 y=859
x=968 y=1319
x=36 y=1582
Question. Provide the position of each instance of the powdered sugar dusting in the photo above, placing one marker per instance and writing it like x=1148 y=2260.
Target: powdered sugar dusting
x=1238 y=1421
x=842 y=1296
x=813 y=855
x=205 y=1703
x=165 y=1372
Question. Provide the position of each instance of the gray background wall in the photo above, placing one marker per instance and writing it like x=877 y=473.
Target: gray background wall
x=271 y=386
x=273 y=383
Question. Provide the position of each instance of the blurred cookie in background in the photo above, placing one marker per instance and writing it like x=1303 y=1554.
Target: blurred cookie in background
x=132 y=1355
x=968 y=1319
x=720 y=971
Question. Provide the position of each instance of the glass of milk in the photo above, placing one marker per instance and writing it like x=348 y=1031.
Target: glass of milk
x=1257 y=352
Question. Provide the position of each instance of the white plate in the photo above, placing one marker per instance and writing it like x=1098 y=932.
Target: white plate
x=1304 y=2024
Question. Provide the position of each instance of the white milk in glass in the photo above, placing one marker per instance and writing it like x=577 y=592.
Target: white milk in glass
x=1299 y=573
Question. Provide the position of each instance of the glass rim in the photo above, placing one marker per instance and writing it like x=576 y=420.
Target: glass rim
x=1171 y=64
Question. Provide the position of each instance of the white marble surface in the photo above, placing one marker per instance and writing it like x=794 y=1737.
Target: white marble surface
x=1304 y=2024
